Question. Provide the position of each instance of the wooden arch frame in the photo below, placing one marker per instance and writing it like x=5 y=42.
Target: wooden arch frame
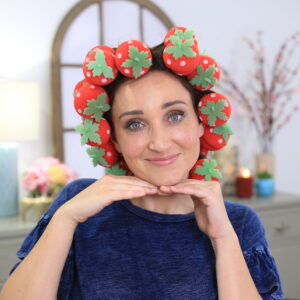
x=56 y=65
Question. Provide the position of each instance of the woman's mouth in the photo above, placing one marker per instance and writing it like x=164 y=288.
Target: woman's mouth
x=163 y=161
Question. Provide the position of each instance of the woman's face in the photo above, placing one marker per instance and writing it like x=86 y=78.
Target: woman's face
x=156 y=128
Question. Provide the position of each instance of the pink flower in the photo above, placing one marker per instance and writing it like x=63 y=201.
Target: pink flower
x=34 y=178
x=44 y=188
x=37 y=178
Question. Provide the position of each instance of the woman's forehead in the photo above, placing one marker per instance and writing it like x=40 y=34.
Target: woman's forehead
x=154 y=89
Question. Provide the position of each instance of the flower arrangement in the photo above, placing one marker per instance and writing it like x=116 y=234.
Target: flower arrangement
x=271 y=90
x=46 y=177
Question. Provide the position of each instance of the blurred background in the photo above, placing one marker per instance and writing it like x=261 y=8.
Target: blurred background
x=43 y=45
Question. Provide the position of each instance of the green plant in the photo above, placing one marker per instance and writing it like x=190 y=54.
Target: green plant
x=264 y=174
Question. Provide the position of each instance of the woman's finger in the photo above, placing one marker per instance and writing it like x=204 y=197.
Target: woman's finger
x=131 y=180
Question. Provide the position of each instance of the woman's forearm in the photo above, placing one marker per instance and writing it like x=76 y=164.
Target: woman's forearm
x=233 y=276
x=38 y=275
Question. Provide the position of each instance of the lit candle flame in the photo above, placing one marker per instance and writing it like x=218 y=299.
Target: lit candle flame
x=245 y=172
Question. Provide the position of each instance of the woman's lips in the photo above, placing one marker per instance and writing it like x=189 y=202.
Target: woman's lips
x=163 y=161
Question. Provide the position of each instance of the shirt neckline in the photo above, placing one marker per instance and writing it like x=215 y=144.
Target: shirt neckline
x=155 y=216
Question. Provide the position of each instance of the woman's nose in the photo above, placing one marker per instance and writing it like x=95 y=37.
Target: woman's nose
x=159 y=139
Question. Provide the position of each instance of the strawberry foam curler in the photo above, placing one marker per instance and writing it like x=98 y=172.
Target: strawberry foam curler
x=78 y=86
x=94 y=133
x=206 y=74
x=181 y=53
x=91 y=101
x=133 y=58
x=214 y=109
x=120 y=169
x=205 y=169
x=215 y=138
x=99 y=65
x=181 y=32
x=105 y=155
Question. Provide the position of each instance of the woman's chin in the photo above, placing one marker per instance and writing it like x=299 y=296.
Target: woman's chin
x=158 y=181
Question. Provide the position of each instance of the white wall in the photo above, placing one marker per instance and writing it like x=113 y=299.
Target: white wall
x=27 y=29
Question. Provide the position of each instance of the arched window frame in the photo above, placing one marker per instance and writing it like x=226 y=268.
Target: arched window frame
x=56 y=64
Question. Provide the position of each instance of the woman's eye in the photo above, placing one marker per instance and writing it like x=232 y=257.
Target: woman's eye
x=176 y=116
x=133 y=125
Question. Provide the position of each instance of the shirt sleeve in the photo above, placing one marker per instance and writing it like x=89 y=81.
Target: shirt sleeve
x=35 y=234
x=259 y=259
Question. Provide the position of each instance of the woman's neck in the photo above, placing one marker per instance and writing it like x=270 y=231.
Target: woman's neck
x=166 y=204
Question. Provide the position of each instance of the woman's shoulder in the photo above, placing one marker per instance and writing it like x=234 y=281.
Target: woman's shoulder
x=245 y=220
x=77 y=185
x=68 y=192
x=238 y=211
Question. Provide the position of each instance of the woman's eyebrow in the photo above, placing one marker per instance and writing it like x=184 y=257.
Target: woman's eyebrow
x=140 y=112
x=168 y=104
x=132 y=112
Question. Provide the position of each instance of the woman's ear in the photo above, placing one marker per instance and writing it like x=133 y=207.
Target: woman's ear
x=116 y=144
x=201 y=129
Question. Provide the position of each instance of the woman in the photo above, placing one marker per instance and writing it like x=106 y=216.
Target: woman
x=157 y=234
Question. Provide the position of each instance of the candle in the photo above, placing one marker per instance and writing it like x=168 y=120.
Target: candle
x=244 y=184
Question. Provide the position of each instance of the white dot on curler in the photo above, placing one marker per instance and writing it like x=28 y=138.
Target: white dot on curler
x=129 y=42
x=88 y=74
x=78 y=95
x=143 y=72
x=92 y=86
x=109 y=154
x=169 y=61
x=217 y=69
x=200 y=103
x=220 y=141
x=108 y=131
x=213 y=95
x=211 y=130
x=182 y=63
x=87 y=59
x=79 y=110
x=127 y=71
x=205 y=61
x=103 y=80
x=119 y=55
x=145 y=46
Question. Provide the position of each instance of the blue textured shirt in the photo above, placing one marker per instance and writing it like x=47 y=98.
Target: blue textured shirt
x=129 y=253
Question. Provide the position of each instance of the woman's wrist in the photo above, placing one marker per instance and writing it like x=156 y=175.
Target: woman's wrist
x=224 y=242
x=64 y=214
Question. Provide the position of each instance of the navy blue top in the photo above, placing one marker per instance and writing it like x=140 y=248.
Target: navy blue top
x=127 y=252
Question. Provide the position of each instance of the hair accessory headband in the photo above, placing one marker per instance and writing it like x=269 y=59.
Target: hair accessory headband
x=133 y=59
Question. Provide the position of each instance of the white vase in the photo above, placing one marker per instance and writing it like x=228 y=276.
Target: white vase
x=265 y=162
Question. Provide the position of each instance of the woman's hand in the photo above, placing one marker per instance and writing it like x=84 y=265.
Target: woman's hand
x=102 y=193
x=210 y=211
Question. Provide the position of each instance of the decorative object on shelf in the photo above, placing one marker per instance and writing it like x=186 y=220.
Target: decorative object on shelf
x=244 y=184
x=38 y=204
x=265 y=162
x=19 y=121
x=264 y=184
x=268 y=99
x=43 y=181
